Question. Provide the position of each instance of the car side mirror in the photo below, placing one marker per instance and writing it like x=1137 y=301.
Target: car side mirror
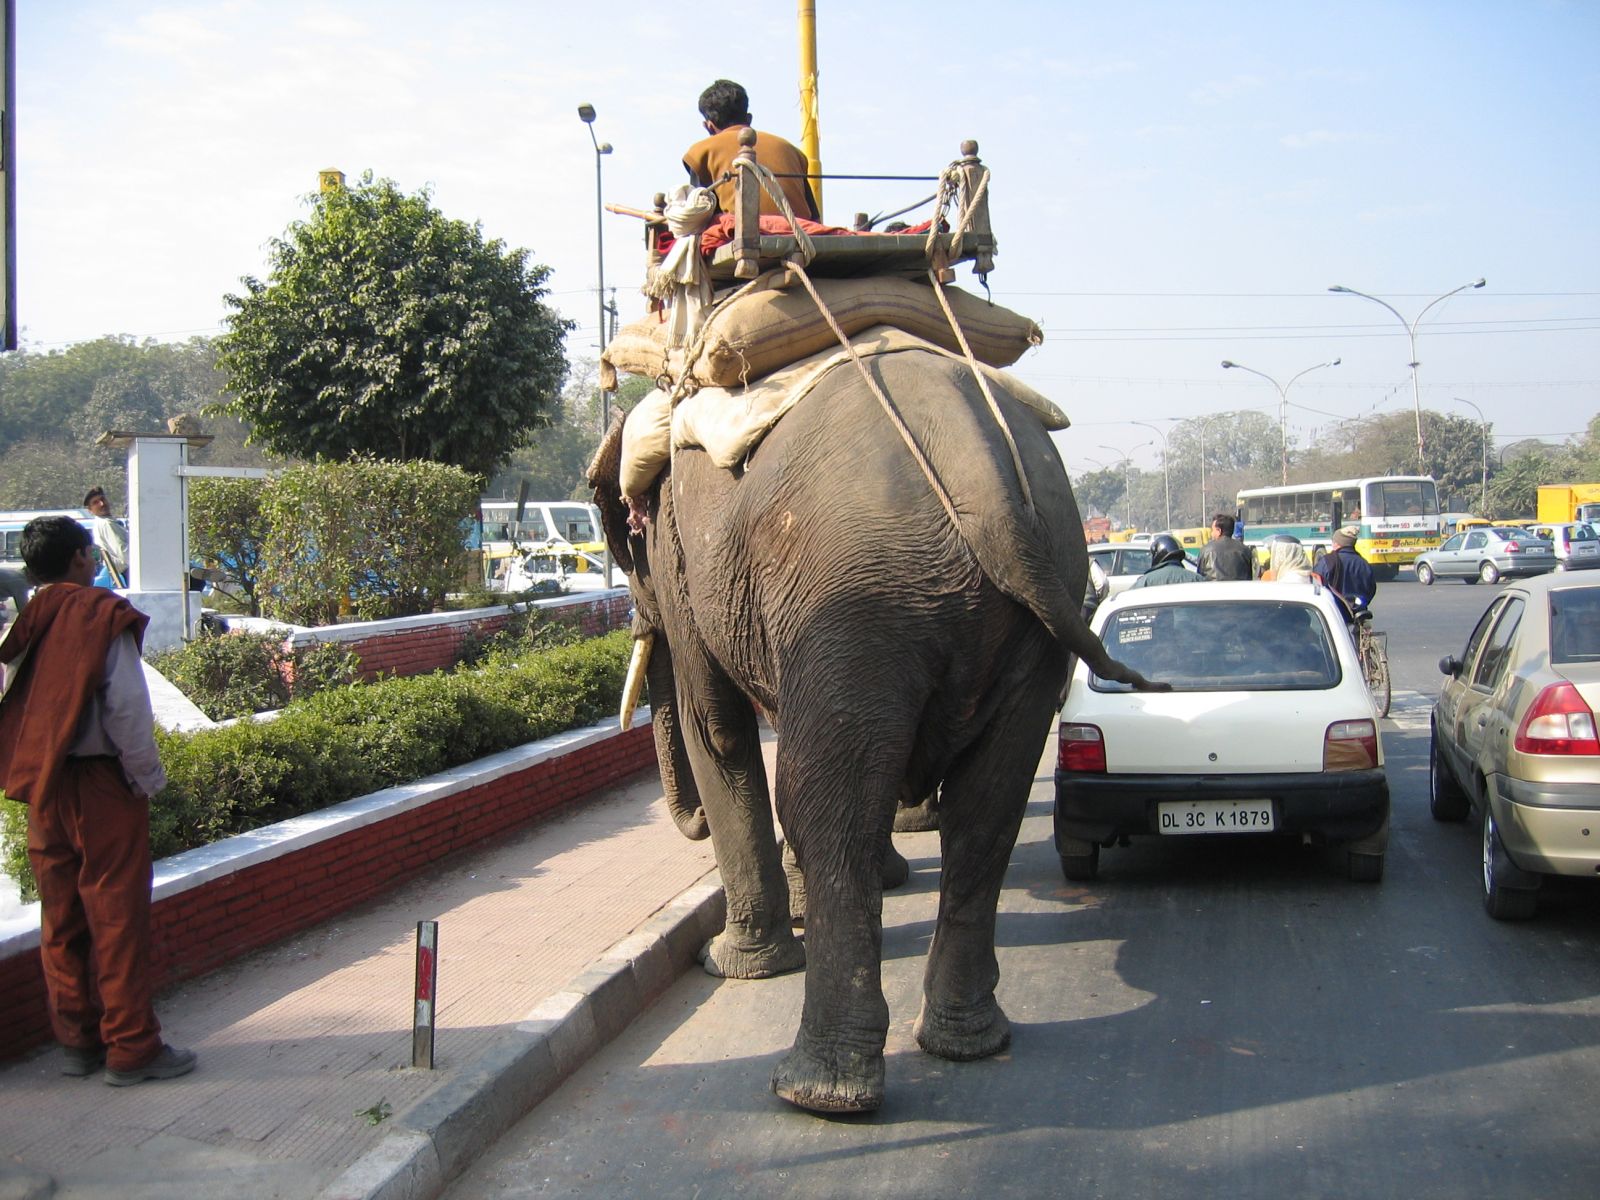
x=1450 y=665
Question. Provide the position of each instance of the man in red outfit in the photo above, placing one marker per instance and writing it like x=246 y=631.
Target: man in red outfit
x=77 y=746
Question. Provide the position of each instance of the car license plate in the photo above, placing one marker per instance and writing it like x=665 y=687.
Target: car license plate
x=1216 y=816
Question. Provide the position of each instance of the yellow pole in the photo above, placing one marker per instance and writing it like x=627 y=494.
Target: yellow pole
x=809 y=137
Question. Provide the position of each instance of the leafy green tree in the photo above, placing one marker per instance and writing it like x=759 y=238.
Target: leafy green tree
x=1514 y=491
x=385 y=328
x=1099 y=493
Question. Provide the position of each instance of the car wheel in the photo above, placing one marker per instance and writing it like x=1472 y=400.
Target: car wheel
x=1489 y=573
x=1447 y=801
x=1424 y=574
x=1364 y=868
x=1500 y=900
x=1080 y=860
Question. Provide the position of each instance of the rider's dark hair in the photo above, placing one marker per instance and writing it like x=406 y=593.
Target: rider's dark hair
x=1224 y=524
x=725 y=103
x=48 y=544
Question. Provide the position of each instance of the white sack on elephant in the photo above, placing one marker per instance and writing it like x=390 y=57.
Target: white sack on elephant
x=767 y=327
x=771 y=327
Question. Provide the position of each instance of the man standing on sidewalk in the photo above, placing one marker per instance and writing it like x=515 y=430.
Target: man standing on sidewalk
x=77 y=746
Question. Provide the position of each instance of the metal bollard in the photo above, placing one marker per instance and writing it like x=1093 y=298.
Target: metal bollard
x=426 y=989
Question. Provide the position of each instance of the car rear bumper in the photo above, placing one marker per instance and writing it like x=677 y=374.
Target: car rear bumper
x=1581 y=564
x=1542 y=566
x=1342 y=806
x=1553 y=828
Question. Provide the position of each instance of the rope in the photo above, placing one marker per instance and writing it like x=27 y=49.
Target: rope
x=949 y=188
x=883 y=400
x=983 y=385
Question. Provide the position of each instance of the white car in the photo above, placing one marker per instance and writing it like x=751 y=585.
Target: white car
x=1268 y=729
x=1576 y=544
x=1124 y=562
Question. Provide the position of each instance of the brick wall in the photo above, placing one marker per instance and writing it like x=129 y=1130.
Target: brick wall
x=417 y=645
x=222 y=901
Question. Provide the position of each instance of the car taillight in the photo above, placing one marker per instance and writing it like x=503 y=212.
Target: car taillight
x=1350 y=746
x=1081 y=749
x=1557 y=722
x=1513 y=547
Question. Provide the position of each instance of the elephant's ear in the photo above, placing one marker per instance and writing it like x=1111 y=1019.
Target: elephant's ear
x=605 y=474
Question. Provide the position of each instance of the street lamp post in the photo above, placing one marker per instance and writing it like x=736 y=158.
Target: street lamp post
x=586 y=115
x=1166 y=475
x=1411 y=332
x=1127 y=487
x=1483 y=426
x=1283 y=403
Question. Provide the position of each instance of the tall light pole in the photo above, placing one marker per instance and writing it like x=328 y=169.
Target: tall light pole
x=1166 y=475
x=1483 y=426
x=586 y=115
x=1127 y=487
x=1411 y=332
x=1283 y=402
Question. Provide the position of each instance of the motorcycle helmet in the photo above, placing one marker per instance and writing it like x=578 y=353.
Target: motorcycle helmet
x=1164 y=549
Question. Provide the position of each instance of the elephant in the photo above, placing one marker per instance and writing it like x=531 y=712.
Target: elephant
x=905 y=629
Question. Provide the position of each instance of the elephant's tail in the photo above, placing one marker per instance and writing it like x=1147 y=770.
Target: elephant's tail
x=1027 y=572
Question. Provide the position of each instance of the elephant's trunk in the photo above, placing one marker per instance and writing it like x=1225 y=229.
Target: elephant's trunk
x=677 y=779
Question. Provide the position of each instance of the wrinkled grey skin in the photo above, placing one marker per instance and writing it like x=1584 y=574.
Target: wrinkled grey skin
x=826 y=582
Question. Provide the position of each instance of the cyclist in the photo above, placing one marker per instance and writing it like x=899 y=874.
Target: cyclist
x=1348 y=575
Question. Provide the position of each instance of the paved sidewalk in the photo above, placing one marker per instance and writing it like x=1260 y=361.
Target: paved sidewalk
x=298 y=1041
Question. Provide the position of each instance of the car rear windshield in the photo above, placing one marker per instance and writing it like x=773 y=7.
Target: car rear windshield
x=1223 y=646
x=1575 y=625
x=1580 y=533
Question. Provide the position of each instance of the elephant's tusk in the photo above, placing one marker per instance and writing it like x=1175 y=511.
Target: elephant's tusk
x=634 y=684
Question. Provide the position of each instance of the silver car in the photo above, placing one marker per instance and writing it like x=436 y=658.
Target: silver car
x=1489 y=553
x=1577 y=545
x=1513 y=736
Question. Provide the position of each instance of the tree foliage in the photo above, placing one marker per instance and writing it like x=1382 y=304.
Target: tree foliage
x=53 y=406
x=385 y=328
x=555 y=462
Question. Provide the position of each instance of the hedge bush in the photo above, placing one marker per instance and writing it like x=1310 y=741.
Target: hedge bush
x=237 y=674
x=350 y=741
x=385 y=538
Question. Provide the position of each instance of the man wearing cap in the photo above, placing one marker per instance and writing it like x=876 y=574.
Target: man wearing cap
x=1346 y=572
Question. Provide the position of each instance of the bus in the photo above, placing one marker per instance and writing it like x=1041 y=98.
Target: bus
x=1397 y=515
x=552 y=537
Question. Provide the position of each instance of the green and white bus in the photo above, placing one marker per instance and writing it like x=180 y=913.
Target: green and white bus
x=1398 y=516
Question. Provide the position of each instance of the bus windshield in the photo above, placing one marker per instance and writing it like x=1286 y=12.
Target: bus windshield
x=1402 y=498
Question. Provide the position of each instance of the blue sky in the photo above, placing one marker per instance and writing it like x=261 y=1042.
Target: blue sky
x=1174 y=183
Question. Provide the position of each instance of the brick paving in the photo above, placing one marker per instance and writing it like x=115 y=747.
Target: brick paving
x=297 y=1041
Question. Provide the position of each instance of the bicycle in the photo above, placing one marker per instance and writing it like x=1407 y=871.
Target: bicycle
x=1372 y=647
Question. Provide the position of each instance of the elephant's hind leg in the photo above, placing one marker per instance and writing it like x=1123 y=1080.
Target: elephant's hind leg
x=981 y=807
x=838 y=785
x=724 y=749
